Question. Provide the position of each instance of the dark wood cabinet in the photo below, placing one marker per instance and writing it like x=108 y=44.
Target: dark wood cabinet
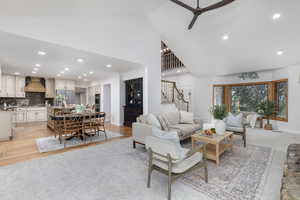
x=134 y=100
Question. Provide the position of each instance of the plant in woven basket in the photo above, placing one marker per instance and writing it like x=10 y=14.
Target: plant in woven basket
x=267 y=109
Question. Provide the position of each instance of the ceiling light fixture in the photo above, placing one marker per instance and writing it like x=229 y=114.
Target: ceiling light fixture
x=108 y=65
x=67 y=69
x=91 y=72
x=225 y=37
x=17 y=73
x=279 y=53
x=34 y=72
x=80 y=60
x=62 y=72
x=37 y=65
x=42 y=53
x=276 y=16
x=36 y=69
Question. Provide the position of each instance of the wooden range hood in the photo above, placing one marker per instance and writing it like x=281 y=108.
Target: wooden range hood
x=34 y=84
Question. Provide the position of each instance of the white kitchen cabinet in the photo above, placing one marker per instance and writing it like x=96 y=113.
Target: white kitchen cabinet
x=50 y=88
x=64 y=84
x=20 y=86
x=70 y=85
x=36 y=115
x=11 y=85
x=21 y=116
x=3 y=86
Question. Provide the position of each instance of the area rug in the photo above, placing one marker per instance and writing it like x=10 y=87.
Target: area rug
x=47 y=144
x=240 y=176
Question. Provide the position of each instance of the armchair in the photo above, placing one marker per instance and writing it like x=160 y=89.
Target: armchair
x=169 y=158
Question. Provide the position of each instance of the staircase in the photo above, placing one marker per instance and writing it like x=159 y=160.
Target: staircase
x=170 y=94
x=169 y=60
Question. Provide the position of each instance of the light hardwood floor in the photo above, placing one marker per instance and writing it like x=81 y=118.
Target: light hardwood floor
x=23 y=146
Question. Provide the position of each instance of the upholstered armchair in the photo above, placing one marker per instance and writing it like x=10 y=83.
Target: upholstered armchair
x=237 y=124
x=169 y=158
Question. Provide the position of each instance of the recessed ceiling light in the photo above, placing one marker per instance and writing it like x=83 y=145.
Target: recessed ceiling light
x=17 y=73
x=91 y=72
x=225 y=37
x=80 y=60
x=279 y=53
x=42 y=53
x=79 y=77
x=62 y=72
x=37 y=65
x=34 y=72
x=84 y=74
x=67 y=69
x=108 y=65
x=36 y=69
x=276 y=16
x=58 y=75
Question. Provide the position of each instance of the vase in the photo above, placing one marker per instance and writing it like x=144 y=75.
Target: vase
x=220 y=127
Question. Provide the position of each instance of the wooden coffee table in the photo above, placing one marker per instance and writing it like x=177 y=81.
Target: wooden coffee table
x=216 y=145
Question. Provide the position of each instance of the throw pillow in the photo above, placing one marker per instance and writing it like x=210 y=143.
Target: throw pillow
x=186 y=117
x=236 y=121
x=172 y=117
x=153 y=121
x=163 y=122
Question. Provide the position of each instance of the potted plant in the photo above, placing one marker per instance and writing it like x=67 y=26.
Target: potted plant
x=267 y=109
x=219 y=113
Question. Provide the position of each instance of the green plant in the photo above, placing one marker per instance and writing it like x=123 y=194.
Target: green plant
x=266 y=108
x=219 y=111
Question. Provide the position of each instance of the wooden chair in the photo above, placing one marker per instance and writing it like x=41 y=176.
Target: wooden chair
x=90 y=127
x=100 y=123
x=167 y=158
x=72 y=127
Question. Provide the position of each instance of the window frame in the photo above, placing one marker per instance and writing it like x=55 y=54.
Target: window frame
x=272 y=94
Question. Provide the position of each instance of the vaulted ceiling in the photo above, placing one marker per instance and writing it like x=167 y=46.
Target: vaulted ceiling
x=253 y=36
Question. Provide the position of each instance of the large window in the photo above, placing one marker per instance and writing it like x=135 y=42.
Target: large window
x=282 y=99
x=246 y=97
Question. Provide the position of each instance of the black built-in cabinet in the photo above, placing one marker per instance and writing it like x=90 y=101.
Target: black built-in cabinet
x=134 y=100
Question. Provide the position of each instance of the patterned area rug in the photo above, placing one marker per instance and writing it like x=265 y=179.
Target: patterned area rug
x=47 y=144
x=240 y=176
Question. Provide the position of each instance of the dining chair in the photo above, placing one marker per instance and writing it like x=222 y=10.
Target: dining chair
x=100 y=123
x=72 y=127
x=172 y=160
x=90 y=128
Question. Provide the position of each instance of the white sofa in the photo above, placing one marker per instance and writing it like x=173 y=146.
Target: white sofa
x=169 y=121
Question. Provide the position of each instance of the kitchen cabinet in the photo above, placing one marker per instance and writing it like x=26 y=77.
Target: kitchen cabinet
x=11 y=85
x=64 y=84
x=6 y=131
x=50 y=88
x=20 y=116
x=20 y=86
x=36 y=115
x=8 y=86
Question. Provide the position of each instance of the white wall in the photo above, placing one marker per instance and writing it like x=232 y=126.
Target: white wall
x=201 y=88
x=107 y=100
x=114 y=83
x=294 y=99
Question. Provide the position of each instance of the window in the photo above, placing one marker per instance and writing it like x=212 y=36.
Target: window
x=282 y=99
x=218 y=95
x=245 y=98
